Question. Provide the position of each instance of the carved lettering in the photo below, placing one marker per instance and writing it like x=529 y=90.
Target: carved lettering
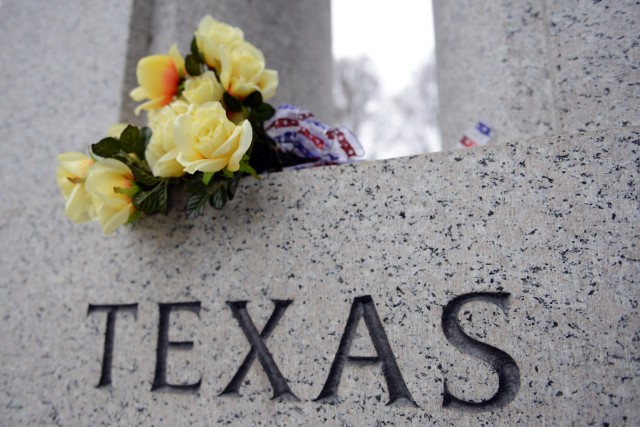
x=259 y=349
x=109 y=335
x=160 y=376
x=363 y=307
x=504 y=365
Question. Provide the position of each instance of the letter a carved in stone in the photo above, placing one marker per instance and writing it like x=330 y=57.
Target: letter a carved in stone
x=363 y=307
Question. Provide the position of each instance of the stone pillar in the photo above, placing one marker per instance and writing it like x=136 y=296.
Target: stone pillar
x=295 y=38
x=537 y=68
x=63 y=65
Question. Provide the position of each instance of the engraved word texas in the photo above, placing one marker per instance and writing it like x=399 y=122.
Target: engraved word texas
x=362 y=307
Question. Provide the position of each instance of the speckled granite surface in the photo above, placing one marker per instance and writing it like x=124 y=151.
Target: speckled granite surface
x=595 y=60
x=535 y=68
x=552 y=222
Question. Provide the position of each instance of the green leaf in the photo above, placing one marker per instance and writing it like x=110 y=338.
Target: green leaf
x=130 y=140
x=196 y=204
x=192 y=65
x=122 y=158
x=134 y=216
x=246 y=167
x=254 y=100
x=107 y=147
x=227 y=173
x=232 y=186
x=163 y=198
x=219 y=198
x=206 y=177
x=153 y=201
x=232 y=103
x=264 y=112
x=181 y=87
x=143 y=176
x=129 y=192
x=147 y=202
x=194 y=47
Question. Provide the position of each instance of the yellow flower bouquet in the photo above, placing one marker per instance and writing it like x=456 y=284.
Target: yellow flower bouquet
x=208 y=126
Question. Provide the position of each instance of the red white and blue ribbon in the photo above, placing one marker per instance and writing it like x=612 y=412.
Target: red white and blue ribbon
x=296 y=131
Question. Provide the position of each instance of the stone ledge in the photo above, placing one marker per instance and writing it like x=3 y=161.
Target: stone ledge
x=554 y=223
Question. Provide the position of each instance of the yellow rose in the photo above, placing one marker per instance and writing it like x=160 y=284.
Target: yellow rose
x=242 y=71
x=105 y=181
x=213 y=36
x=71 y=174
x=240 y=65
x=158 y=77
x=208 y=141
x=203 y=88
x=161 y=152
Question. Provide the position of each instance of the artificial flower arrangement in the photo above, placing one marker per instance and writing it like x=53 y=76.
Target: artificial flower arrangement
x=208 y=126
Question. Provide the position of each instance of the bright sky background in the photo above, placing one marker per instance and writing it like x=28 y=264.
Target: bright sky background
x=397 y=35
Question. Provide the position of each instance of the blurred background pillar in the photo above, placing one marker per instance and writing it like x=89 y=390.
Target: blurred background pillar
x=535 y=68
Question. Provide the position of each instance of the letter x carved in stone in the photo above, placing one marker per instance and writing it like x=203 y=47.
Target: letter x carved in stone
x=259 y=349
